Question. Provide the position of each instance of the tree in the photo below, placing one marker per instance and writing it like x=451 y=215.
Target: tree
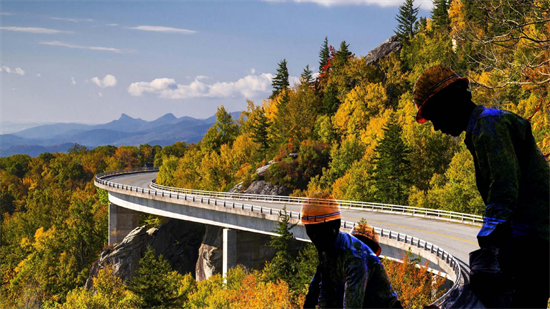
x=415 y=286
x=406 y=20
x=514 y=49
x=440 y=15
x=259 y=125
x=342 y=55
x=108 y=292
x=324 y=55
x=306 y=78
x=392 y=167
x=224 y=131
x=154 y=282
x=280 y=82
x=281 y=265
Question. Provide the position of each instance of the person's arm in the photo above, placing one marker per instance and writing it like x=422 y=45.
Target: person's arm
x=356 y=283
x=312 y=297
x=499 y=165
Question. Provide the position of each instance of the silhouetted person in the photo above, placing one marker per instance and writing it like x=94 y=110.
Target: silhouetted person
x=349 y=274
x=513 y=178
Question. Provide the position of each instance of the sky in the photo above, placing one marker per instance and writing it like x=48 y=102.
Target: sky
x=91 y=61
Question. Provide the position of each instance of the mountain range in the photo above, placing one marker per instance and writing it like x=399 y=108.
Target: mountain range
x=127 y=131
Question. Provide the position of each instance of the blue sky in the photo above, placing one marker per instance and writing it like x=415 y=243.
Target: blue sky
x=90 y=61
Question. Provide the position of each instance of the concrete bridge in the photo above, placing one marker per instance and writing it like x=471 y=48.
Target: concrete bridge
x=133 y=191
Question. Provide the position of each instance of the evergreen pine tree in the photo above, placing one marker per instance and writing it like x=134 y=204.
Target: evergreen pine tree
x=392 y=168
x=440 y=14
x=342 y=55
x=295 y=268
x=153 y=282
x=259 y=130
x=307 y=77
x=280 y=81
x=324 y=55
x=406 y=20
x=281 y=264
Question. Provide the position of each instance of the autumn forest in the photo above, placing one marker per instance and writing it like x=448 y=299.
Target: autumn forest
x=353 y=129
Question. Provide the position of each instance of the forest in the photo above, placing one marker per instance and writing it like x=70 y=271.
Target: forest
x=352 y=127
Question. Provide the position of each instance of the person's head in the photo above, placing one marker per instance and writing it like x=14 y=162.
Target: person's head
x=321 y=216
x=442 y=97
x=367 y=235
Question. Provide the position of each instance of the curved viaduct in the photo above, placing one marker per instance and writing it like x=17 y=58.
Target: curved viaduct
x=445 y=242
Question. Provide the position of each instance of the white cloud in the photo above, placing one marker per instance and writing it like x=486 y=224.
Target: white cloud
x=19 y=71
x=34 y=30
x=112 y=25
x=163 y=29
x=68 y=45
x=100 y=94
x=248 y=86
x=425 y=4
x=200 y=77
x=14 y=71
x=252 y=71
x=38 y=75
x=73 y=82
x=108 y=81
x=74 y=20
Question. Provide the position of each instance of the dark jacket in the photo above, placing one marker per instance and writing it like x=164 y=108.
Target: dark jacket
x=350 y=275
x=512 y=176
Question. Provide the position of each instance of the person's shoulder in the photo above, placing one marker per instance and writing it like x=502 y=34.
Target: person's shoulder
x=490 y=119
x=498 y=114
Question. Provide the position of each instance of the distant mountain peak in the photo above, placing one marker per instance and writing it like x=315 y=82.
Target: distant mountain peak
x=124 y=116
x=168 y=116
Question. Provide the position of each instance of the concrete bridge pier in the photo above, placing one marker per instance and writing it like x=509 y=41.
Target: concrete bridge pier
x=229 y=250
x=121 y=222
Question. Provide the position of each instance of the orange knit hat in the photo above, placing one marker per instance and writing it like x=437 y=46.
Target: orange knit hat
x=319 y=208
x=430 y=82
x=367 y=231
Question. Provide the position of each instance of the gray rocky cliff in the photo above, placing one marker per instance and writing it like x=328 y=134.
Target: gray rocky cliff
x=178 y=241
x=390 y=45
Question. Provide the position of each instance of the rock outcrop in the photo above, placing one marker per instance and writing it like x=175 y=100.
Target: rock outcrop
x=390 y=45
x=178 y=241
x=267 y=188
x=210 y=261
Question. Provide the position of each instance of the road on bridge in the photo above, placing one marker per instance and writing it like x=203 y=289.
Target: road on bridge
x=457 y=239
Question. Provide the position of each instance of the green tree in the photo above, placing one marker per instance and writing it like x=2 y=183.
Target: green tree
x=281 y=265
x=406 y=20
x=280 y=82
x=306 y=78
x=392 y=167
x=324 y=55
x=154 y=282
x=224 y=131
x=440 y=14
x=259 y=125
x=342 y=55
x=292 y=266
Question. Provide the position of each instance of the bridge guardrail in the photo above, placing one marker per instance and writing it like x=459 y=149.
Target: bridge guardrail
x=196 y=196
x=398 y=209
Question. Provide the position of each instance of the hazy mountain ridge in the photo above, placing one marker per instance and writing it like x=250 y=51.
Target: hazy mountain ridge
x=128 y=131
